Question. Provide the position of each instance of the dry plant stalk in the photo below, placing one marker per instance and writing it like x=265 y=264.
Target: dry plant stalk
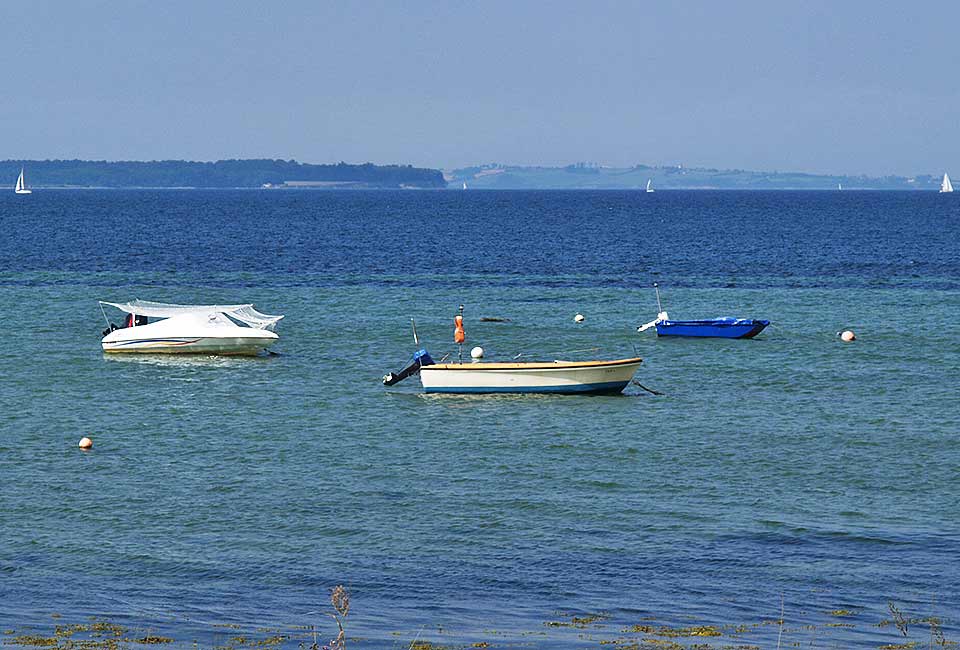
x=340 y=599
x=899 y=619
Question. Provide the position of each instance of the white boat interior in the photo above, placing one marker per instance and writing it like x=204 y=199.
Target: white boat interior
x=189 y=329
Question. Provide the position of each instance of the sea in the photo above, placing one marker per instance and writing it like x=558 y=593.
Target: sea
x=791 y=490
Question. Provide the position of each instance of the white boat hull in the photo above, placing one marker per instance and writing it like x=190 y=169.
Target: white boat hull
x=186 y=345
x=189 y=334
x=588 y=377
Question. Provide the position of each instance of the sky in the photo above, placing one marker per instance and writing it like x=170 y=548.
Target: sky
x=825 y=87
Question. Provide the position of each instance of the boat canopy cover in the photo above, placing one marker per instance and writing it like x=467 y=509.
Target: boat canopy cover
x=243 y=313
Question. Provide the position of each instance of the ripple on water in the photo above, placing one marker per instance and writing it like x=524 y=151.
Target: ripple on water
x=238 y=491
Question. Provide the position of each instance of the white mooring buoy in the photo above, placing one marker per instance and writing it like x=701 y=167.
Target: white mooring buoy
x=579 y=318
x=85 y=443
x=847 y=336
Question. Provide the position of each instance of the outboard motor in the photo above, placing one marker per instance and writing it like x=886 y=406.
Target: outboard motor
x=420 y=358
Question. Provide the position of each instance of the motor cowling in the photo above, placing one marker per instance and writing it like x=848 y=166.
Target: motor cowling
x=420 y=358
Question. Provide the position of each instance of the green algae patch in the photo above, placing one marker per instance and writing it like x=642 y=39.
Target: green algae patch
x=580 y=622
x=105 y=627
x=96 y=635
x=35 y=640
x=152 y=639
x=696 y=630
x=841 y=613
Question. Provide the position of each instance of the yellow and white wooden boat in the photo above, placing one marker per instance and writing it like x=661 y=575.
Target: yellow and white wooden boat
x=581 y=377
x=567 y=377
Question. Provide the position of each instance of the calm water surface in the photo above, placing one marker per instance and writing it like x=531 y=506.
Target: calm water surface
x=237 y=492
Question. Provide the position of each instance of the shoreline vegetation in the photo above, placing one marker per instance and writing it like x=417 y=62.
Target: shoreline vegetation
x=897 y=630
x=290 y=174
x=222 y=174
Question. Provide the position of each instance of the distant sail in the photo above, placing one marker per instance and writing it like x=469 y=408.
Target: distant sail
x=649 y=188
x=464 y=186
x=21 y=185
x=839 y=187
x=945 y=186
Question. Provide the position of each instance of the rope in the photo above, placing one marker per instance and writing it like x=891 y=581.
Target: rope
x=649 y=390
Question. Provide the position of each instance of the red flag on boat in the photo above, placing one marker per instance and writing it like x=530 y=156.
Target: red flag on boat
x=459 y=336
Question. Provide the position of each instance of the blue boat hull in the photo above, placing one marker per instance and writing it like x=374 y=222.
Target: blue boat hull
x=724 y=328
x=604 y=388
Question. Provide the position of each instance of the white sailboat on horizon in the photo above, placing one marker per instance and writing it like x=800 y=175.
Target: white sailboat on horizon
x=649 y=187
x=946 y=186
x=21 y=185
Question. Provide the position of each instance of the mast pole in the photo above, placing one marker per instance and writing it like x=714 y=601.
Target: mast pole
x=657 y=289
x=460 y=345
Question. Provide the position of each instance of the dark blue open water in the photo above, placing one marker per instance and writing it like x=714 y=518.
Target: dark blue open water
x=225 y=497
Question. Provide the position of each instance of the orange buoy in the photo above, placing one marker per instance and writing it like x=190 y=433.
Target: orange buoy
x=459 y=336
x=85 y=443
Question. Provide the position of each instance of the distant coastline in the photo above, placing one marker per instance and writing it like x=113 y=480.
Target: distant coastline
x=589 y=176
x=292 y=175
x=255 y=173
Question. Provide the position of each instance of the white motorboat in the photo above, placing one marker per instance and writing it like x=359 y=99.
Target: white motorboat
x=189 y=329
x=567 y=377
x=21 y=185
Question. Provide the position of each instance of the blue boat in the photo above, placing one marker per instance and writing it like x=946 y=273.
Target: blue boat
x=724 y=328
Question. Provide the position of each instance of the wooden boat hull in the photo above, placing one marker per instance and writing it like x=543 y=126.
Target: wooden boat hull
x=562 y=377
x=724 y=328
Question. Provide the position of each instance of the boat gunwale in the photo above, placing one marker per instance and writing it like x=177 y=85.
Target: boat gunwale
x=534 y=365
x=740 y=322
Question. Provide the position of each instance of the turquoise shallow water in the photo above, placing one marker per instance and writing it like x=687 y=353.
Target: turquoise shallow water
x=239 y=491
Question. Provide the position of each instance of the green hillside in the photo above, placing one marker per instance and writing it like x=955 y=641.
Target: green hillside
x=220 y=174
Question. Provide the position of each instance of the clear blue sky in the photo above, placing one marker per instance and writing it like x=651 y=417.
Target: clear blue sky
x=843 y=87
